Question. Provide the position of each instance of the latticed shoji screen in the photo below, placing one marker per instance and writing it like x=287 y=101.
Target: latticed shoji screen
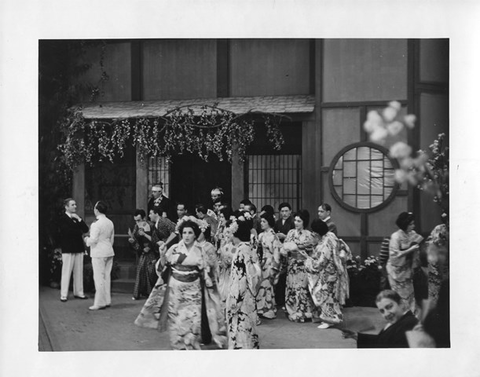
x=159 y=171
x=273 y=179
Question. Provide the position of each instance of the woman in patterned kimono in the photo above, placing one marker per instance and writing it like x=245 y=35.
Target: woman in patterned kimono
x=141 y=242
x=404 y=243
x=225 y=255
x=437 y=255
x=183 y=300
x=244 y=281
x=298 y=301
x=223 y=216
x=270 y=246
x=327 y=276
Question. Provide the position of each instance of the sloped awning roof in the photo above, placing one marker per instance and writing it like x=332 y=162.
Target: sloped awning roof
x=237 y=105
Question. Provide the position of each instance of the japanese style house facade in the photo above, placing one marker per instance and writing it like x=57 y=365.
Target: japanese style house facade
x=326 y=87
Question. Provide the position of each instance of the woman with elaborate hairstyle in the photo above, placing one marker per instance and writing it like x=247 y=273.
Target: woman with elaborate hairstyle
x=270 y=263
x=224 y=256
x=223 y=216
x=404 y=243
x=147 y=255
x=327 y=275
x=298 y=301
x=184 y=301
x=244 y=281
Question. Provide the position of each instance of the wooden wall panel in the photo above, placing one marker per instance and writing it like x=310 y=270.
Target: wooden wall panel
x=341 y=127
x=348 y=223
x=434 y=119
x=179 y=69
x=434 y=60
x=262 y=67
x=382 y=223
x=117 y=64
x=365 y=70
x=311 y=160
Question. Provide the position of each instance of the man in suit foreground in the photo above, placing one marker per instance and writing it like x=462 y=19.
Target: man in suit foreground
x=72 y=227
x=101 y=250
x=281 y=228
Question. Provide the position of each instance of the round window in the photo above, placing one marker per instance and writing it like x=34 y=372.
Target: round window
x=362 y=177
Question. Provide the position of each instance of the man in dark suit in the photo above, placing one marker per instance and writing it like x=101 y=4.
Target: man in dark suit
x=162 y=202
x=285 y=223
x=324 y=213
x=281 y=228
x=72 y=228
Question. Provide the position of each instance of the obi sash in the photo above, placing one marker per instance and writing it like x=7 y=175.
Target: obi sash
x=185 y=274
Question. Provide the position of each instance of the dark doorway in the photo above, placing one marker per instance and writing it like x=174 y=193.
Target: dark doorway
x=193 y=179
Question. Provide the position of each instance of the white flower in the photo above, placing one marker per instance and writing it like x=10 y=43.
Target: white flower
x=389 y=114
x=396 y=105
x=410 y=120
x=400 y=150
x=374 y=116
x=412 y=179
x=406 y=163
x=400 y=175
x=378 y=135
x=420 y=160
x=395 y=128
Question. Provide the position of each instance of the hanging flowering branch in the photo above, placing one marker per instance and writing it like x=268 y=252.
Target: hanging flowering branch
x=428 y=171
x=203 y=131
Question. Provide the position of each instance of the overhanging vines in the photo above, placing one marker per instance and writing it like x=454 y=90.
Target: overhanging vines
x=202 y=130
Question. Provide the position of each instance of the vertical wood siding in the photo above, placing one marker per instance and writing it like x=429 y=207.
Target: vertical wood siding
x=365 y=70
x=179 y=69
x=262 y=67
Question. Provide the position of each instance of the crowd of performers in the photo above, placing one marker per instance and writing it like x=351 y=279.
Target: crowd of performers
x=212 y=276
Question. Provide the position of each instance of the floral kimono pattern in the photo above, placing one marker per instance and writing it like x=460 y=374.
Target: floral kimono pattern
x=437 y=243
x=183 y=303
x=298 y=301
x=241 y=307
x=400 y=267
x=225 y=256
x=328 y=278
x=147 y=255
x=270 y=264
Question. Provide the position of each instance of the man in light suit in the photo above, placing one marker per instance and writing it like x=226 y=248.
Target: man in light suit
x=72 y=227
x=101 y=250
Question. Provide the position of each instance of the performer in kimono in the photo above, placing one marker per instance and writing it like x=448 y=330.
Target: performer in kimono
x=244 y=281
x=185 y=300
x=437 y=255
x=225 y=255
x=298 y=301
x=223 y=216
x=270 y=263
x=147 y=255
x=404 y=243
x=327 y=276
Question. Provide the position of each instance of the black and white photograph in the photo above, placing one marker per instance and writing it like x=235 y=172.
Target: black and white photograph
x=273 y=193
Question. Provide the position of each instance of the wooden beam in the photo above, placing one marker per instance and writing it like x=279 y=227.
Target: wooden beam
x=223 y=68
x=141 y=189
x=78 y=189
x=238 y=179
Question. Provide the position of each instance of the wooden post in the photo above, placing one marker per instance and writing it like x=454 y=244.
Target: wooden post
x=141 y=189
x=238 y=179
x=78 y=189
